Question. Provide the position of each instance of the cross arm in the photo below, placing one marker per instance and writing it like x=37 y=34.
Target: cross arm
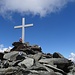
x=28 y=25
x=18 y=27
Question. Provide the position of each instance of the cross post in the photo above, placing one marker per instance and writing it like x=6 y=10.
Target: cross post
x=23 y=26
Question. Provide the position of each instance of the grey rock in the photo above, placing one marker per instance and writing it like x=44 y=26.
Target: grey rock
x=5 y=64
x=55 y=69
x=48 y=55
x=37 y=56
x=14 y=55
x=47 y=73
x=57 y=55
x=37 y=67
x=47 y=61
x=71 y=73
x=57 y=73
x=28 y=62
x=60 y=63
x=55 y=60
x=14 y=63
x=24 y=59
x=11 y=56
x=8 y=71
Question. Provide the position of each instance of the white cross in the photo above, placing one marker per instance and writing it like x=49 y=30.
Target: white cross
x=23 y=28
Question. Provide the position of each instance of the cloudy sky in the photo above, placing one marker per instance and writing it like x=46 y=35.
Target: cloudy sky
x=54 y=24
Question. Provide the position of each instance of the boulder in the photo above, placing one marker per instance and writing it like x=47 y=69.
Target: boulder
x=55 y=60
x=57 y=55
x=37 y=56
x=28 y=62
x=11 y=55
x=14 y=55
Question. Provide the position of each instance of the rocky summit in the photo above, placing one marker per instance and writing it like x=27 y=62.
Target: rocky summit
x=24 y=59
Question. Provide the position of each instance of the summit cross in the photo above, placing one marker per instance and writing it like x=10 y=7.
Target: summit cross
x=23 y=26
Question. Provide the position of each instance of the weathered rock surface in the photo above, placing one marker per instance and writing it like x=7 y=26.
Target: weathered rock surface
x=24 y=59
x=28 y=62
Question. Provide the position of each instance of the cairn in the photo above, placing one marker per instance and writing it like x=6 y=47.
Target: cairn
x=24 y=59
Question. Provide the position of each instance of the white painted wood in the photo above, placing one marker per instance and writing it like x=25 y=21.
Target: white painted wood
x=23 y=26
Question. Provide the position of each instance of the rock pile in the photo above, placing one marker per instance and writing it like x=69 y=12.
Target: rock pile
x=24 y=59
